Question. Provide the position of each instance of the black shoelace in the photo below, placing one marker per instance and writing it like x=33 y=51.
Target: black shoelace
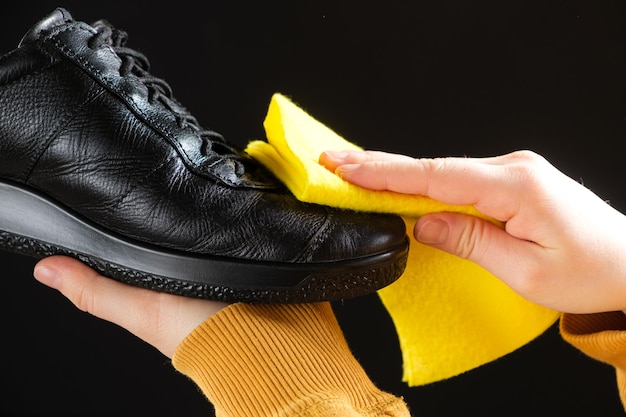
x=136 y=63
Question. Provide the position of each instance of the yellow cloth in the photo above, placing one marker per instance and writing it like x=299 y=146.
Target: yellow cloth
x=450 y=314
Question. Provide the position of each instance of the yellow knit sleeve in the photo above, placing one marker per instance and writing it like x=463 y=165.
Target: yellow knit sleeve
x=601 y=336
x=280 y=360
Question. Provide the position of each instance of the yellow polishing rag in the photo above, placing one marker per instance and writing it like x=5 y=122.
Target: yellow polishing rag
x=450 y=314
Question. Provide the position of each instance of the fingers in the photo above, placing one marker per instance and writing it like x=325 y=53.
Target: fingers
x=333 y=159
x=561 y=245
x=492 y=185
x=439 y=178
x=370 y=169
x=162 y=320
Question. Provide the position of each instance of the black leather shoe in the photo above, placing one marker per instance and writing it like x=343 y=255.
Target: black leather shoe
x=99 y=161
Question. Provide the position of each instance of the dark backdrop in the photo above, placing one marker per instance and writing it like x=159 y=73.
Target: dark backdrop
x=436 y=78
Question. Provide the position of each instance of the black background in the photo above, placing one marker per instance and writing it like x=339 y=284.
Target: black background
x=439 y=78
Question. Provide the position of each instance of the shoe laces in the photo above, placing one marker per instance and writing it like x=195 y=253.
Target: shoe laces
x=137 y=64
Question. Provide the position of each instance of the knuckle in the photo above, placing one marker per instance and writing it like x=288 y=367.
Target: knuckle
x=83 y=300
x=437 y=164
x=525 y=155
x=468 y=245
x=527 y=169
x=431 y=169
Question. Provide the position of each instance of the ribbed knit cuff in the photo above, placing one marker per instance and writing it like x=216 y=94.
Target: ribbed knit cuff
x=601 y=336
x=291 y=360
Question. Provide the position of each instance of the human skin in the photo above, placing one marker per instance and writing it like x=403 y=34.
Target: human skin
x=561 y=246
x=162 y=320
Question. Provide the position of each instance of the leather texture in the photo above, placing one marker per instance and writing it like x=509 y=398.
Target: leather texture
x=83 y=121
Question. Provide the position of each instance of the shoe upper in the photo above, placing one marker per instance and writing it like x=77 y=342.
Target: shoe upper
x=84 y=122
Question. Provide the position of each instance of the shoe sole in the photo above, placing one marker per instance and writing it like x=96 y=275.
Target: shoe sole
x=31 y=224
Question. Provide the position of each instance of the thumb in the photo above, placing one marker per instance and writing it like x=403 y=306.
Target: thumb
x=162 y=320
x=90 y=292
x=477 y=240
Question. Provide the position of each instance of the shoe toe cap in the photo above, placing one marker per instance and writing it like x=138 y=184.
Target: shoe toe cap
x=360 y=235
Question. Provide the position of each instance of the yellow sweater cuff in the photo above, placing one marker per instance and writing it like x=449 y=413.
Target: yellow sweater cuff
x=280 y=360
x=601 y=336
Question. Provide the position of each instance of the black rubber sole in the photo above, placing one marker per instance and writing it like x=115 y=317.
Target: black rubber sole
x=33 y=225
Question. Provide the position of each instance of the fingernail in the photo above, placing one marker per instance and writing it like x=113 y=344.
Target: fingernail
x=432 y=232
x=47 y=276
x=346 y=170
x=336 y=155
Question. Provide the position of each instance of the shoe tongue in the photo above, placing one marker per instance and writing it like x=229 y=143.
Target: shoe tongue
x=56 y=18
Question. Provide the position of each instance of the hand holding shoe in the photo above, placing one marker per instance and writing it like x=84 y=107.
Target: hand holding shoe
x=562 y=246
x=160 y=319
